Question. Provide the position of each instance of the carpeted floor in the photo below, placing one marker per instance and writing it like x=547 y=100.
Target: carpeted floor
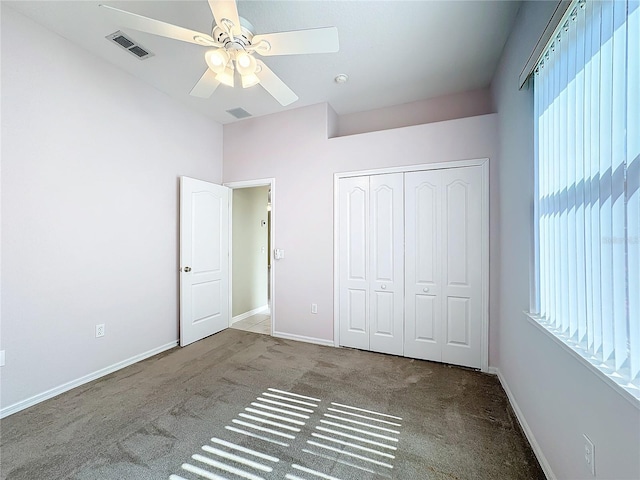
x=335 y=413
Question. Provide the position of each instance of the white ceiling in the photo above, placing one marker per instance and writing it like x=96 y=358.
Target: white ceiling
x=394 y=52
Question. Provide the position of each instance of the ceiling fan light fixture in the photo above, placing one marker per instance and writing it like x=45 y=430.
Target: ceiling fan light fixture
x=226 y=77
x=243 y=59
x=245 y=64
x=250 y=80
x=217 y=60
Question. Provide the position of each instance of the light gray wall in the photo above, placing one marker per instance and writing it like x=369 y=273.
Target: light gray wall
x=448 y=107
x=293 y=148
x=249 y=279
x=90 y=166
x=560 y=398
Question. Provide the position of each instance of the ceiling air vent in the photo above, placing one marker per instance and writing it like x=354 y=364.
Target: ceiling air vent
x=139 y=52
x=129 y=45
x=239 y=112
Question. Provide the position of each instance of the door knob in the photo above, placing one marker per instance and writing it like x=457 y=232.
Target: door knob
x=425 y=289
x=384 y=287
x=187 y=269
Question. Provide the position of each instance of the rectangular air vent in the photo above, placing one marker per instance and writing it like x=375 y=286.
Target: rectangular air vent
x=129 y=45
x=136 y=50
x=239 y=112
x=123 y=41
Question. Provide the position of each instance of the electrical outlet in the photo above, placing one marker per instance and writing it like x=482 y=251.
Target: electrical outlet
x=590 y=455
x=100 y=330
x=314 y=308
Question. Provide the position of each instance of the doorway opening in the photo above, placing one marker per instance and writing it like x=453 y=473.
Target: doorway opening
x=251 y=235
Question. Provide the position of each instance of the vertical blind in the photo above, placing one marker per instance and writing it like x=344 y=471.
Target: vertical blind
x=587 y=107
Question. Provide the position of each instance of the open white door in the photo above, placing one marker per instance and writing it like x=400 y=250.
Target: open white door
x=204 y=259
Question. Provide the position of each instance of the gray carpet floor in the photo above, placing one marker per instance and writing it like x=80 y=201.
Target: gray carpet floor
x=395 y=418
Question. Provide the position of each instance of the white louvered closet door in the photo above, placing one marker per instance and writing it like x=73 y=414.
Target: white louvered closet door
x=443 y=264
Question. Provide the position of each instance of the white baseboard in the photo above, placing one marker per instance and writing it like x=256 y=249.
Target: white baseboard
x=53 y=392
x=546 y=468
x=250 y=313
x=302 y=338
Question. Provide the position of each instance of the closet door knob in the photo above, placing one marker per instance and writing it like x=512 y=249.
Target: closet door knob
x=384 y=287
x=425 y=289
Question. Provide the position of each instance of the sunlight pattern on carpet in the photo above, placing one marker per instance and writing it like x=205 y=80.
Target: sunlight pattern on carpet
x=360 y=439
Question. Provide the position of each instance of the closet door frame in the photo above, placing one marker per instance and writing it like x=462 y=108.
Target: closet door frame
x=481 y=162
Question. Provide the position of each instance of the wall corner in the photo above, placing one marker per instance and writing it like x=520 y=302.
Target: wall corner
x=332 y=122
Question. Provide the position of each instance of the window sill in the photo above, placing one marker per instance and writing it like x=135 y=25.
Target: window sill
x=629 y=392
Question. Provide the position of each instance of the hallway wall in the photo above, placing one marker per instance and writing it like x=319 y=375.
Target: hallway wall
x=249 y=249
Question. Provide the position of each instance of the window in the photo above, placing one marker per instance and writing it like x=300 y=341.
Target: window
x=587 y=107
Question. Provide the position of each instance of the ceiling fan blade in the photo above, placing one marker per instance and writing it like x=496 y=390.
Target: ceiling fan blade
x=156 y=27
x=276 y=87
x=206 y=85
x=315 y=40
x=226 y=9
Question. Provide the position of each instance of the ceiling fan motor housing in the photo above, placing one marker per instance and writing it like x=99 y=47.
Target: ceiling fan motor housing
x=239 y=42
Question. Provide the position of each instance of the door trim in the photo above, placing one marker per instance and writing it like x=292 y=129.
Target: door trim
x=262 y=182
x=482 y=162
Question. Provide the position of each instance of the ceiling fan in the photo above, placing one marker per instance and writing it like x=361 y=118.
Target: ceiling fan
x=233 y=45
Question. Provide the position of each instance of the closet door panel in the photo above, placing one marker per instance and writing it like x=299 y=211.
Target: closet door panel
x=422 y=266
x=356 y=308
x=461 y=227
x=425 y=330
x=354 y=262
x=384 y=314
x=386 y=224
x=458 y=321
